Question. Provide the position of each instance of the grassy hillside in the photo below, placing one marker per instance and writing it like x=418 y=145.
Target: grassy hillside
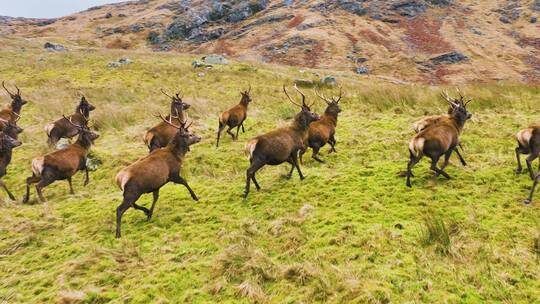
x=350 y=232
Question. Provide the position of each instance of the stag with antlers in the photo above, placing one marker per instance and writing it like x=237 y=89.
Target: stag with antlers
x=281 y=145
x=439 y=139
x=161 y=134
x=234 y=117
x=12 y=111
x=62 y=164
x=323 y=130
x=150 y=173
x=62 y=128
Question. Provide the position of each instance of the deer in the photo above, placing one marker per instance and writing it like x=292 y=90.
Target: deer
x=234 y=117
x=7 y=144
x=323 y=130
x=280 y=145
x=12 y=111
x=153 y=171
x=161 y=134
x=62 y=128
x=535 y=184
x=11 y=128
x=62 y=164
x=528 y=141
x=439 y=139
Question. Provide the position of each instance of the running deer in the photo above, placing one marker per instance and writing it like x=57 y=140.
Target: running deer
x=62 y=164
x=161 y=134
x=12 y=111
x=323 y=130
x=528 y=143
x=281 y=145
x=150 y=173
x=7 y=144
x=440 y=139
x=535 y=184
x=10 y=128
x=234 y=117
x=62 y=128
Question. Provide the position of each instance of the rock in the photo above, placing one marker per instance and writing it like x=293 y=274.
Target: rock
x=306 y=83
x=535 y=6
x=505 y=19
x=200 y=74
x=329 y=81
x=353 y=6
x=362 y=70
x=122 y=15
x=54 y=47
x=533 y=19
x=119 y=63
x=93 y=163
x=449 y=58
x=45 y=22
x=62 y=143
x=199 y=64
x=108 y=15
x=215 y=59
x=356 y=59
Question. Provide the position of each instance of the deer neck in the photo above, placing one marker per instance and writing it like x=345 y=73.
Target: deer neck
x=458 y=123
x=83 y=111
x=5 y=157
x=331 y=117
x=84 y=143
x=15 y=107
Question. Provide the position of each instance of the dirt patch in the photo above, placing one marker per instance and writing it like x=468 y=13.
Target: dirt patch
x=296 y=21
x=533 y=74
x=423 y=34
x=529 y=41
x=376 y=38
x=119 y=43
x=224 y=47
x=351 y=38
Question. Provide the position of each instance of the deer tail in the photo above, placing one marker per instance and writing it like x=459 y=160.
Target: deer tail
x=122 y=178
x=49 y=128
x=148 y=138
x=37 y=165
x=223 y=117
x=416 y=146
x=524 y=136
x=250 y=148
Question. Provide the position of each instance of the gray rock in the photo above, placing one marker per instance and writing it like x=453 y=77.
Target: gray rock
x=362 y=70
x=449 y=58
x=199 y=64
x=54 y=47
x=93 y=163
x=108 y=15
x=329 y=81
x=535 y=6
x=215 y=59
x=200 y=74
x=306 y=83
x=533 y=19
x=119 y=63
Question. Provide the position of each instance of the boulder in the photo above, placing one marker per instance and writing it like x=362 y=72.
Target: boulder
x=54 y=47
x=362 y=70
x=119 y=63
x=215 y=59
x=329 y=81
x=305 y=83
x=449 y=58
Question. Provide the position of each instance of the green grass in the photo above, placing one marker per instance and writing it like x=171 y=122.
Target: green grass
x=334 y=237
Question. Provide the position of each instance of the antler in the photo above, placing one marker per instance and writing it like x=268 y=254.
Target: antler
x=249 y=89
x=10 y=94
x=340 y=94
x=294 y=103
x=321 y=96
x=179 y=97
x=165 y=93
x=169 y=122
x=71 y=122
x=444 y=95
x=303 y=96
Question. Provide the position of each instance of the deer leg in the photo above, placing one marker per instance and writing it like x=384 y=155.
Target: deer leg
x=86 y=176
x=529 y=200
x=7 y=190
x=332 y=142
x=519 y=166
x=43 y=182
x=220 y=129
x=315 y=156
x=230 y=133
x=243 y=130
x=255 y=182
x=237 y=131
x=446 y=159
x=301 y=154
x=412 y=161
x=143 y=209
x=250 y=173
x=529 y=160
x=179 y=180
x=155 y=196
x=31 y=180
x=461 y=159
x=433 y=167
x=289 y=175
x=126 y=203
x=295 y=163
x=70 y=186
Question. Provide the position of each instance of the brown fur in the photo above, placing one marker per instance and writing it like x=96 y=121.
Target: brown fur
x=61 y=128
x=61 y=164
x=7 y=144
x=151 y=172
x=161 y=134
x=279 y=146
x=234 y=117
x=528 y=141
x=12 y=111
x=439 y=139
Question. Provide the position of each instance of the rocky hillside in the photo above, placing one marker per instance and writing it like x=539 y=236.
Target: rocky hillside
x=430 y=41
